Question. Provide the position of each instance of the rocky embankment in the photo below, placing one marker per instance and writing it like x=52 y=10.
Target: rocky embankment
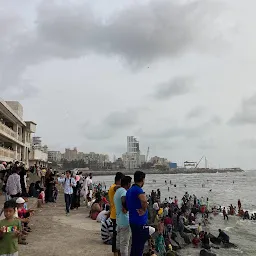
x=156 y=171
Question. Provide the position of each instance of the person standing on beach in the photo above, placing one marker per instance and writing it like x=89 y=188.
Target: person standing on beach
x=138 y=214
x=87 y=189
x=68 y=183
x=122 y=217
x=111 y=193
x=13 y=186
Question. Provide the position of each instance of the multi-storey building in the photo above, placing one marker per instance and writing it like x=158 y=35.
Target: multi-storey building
x=54 y=156
x=39 y=153
x=15 y=133
x=71 y=154
x=131 y=158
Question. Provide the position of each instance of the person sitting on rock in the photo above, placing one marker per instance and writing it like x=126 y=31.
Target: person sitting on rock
x=223 y=236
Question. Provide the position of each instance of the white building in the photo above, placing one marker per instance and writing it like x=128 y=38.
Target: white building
x=54 y=156
x=15 y=133
x=39 y=154
x=132 y=158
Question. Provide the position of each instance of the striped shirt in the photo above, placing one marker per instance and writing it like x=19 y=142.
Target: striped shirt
x=106 y=230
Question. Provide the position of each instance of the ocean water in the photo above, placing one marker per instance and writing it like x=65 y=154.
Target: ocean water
x=224 y=193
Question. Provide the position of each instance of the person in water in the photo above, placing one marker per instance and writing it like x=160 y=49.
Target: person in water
x=223 y=237
x=225 y=215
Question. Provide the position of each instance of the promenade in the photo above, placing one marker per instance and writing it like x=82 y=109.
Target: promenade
x=54 y=234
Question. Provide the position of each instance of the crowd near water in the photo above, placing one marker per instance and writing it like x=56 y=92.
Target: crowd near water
x=199 y=214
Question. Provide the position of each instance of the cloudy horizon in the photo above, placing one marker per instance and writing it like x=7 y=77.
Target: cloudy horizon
x=179 y=75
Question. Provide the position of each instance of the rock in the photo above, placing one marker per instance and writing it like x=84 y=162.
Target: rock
x=205 y=252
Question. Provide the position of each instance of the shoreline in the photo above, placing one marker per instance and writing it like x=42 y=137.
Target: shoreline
x=155 y=171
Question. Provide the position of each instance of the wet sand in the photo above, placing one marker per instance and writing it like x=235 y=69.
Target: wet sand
x=54 y=234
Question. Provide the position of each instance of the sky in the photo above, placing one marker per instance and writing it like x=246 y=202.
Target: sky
x=178 y=75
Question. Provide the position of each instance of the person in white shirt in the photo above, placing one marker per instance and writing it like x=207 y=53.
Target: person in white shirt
x=68 y=184
x=87 y=189
x=155 y=210
x=103 y=215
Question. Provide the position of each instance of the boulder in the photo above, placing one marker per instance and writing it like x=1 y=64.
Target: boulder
x=205 y=252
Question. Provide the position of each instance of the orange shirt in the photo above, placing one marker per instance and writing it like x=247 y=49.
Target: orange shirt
x=111 y=194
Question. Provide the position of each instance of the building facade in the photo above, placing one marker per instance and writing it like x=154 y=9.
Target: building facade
x=54 y=156
x=132 y=158
x=71 y=154
x=39 y=153
x=15 y=133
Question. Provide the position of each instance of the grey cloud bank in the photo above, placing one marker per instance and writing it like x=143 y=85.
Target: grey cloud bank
x=175 y=87
x=138 y=35
x=159 y=70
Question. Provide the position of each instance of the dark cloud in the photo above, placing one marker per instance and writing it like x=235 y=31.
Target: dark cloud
x=119 y=119
x=247 y=114
x=140 y=34
x=196 y=112
x=175 y=87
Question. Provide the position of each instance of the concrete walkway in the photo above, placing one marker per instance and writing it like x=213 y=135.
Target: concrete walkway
x=54 y=234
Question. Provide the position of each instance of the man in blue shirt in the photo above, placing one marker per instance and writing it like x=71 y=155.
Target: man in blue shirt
x=68 y=183
x=122 y=217
x=138 y=214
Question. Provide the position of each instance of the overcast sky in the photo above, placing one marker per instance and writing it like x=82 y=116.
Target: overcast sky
x=177 y=74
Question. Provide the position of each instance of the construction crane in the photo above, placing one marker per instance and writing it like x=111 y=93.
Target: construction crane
x=201 y=160
x=147 y=155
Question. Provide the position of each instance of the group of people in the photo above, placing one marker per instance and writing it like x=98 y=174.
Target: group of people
x=13 y=176
x=14 y=228
x=127 y=218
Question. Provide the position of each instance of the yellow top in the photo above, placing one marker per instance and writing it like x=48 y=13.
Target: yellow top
x=111 y=194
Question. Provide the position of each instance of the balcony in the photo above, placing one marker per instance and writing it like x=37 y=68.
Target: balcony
x=7 y=130
x=10 y=134
x=6 y=154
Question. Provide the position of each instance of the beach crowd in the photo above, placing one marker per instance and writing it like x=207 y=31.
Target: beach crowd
x=132 y=222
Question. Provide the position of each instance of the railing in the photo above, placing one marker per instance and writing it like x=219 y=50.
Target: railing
x=4 y=152
x=7 y=130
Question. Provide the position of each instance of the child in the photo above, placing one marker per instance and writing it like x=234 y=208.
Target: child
x=10 y=230
x=23 y=214
x=41 y=198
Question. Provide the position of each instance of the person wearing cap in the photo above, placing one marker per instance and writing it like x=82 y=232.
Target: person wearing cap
x=23 y=214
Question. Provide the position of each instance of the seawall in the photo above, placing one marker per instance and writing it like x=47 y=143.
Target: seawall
x=155 y=171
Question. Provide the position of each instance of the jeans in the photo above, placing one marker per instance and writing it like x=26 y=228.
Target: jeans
x=140 y=235
x=114 y=235
x=123 y=240
x=68 y=201
x=7 y=197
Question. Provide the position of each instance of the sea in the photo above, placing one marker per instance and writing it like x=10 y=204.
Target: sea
x=221 y=189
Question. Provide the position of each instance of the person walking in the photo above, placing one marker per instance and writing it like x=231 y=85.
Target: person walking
x=122 y=217
x=138 y=214
x=111 y=193
x=68 y=183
